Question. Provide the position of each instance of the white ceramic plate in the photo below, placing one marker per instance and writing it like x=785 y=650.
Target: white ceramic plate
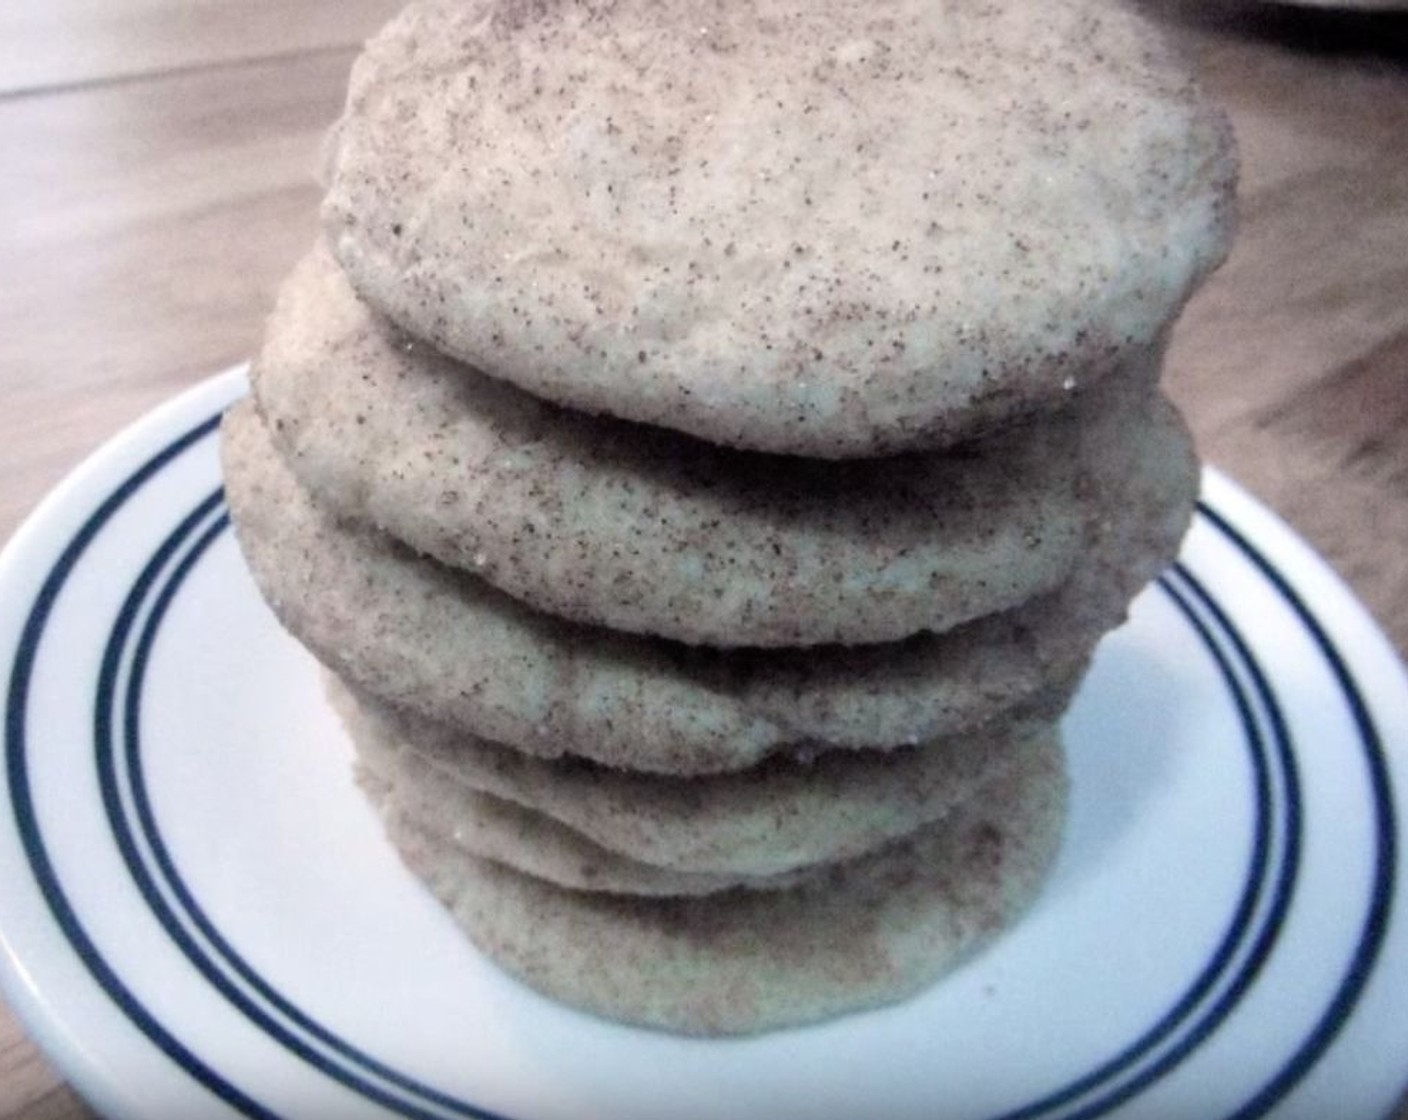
x=200 y=918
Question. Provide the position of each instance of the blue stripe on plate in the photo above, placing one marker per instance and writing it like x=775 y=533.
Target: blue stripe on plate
x=22 y=801
x=157 y=586
x=1101 y=1090
x=1375 y=926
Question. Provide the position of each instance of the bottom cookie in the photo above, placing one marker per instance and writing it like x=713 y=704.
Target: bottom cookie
x=867 y=933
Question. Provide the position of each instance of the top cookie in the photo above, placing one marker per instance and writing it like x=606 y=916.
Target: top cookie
x=838 y=229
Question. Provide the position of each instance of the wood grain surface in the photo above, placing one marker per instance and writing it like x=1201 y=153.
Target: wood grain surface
x=157 y=181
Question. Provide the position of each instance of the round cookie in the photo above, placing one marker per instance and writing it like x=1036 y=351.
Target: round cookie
x=646 y=530
x=488 y=828
x=441 y=643
x=768 y=820
x=735 y=222
x=867 y=933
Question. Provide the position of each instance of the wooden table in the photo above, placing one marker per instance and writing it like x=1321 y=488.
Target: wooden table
x=156 y=182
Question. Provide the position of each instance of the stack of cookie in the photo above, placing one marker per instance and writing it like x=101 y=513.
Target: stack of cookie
x=706 y=453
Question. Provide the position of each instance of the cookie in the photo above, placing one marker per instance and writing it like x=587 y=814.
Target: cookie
x=867 y=933
x=735 y=221
x=489 y=828
x=771 y=819
x=649 y=531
